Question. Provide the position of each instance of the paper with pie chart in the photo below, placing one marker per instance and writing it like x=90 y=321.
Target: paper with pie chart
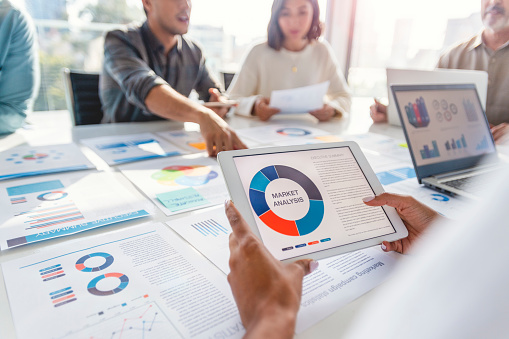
x=308 y=201
x=25 y=161
x=53 y=206
x=179 y=184
x=269 y=134
x=193 y=141
x=137 y=282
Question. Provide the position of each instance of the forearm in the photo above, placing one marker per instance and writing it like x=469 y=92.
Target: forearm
x=341 y=103
x=275 y=322
x=167 y=103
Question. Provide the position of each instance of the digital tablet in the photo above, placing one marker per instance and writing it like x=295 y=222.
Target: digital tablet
x=305 y=201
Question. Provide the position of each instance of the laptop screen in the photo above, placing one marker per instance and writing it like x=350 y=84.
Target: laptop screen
x=445 y=126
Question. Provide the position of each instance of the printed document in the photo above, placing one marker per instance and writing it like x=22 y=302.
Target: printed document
x=270 y=134
x=121 y=149
x=299 y=100
x=25 y=161
x=337 y=281
x=139 y=282
x=53 y=206
x=179 y=184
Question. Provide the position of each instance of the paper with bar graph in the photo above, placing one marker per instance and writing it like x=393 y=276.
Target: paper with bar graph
x=208 y=232
x=120 y=149
x=58 y=205
x=137 y=282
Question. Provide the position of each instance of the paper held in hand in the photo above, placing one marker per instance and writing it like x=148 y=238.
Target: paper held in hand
x=299 y=100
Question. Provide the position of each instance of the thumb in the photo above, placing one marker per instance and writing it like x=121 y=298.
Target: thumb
x=214 y=93
x=389 y=199
x=304 y=266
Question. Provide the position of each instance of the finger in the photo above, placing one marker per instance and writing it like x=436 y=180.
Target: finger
x=219 y=143
x=497 y=135
x=227 y=142
x=237 y=143
x=209 y=142
x=223 y=112
x=303 y=267
x=238 y=224
x=394 y=200
x=214 y=94
x=395 y=246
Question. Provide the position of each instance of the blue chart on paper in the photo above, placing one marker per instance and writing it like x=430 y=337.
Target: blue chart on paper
x=396 y=175
x=80 y=264
x=92 y=286
x=303 y=226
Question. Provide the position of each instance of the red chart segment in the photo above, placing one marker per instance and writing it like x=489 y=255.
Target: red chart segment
x=280 y=225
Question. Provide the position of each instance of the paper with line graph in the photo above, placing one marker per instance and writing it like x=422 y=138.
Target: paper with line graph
x=47 y=207
x=136 y=282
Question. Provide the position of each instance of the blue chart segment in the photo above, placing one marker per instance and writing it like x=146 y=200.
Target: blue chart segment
x=46 y=217
x=52 y=196
x=303 y=226
x=35 y=188
x=417 y=113
x=454 y=144
x=132 y=143
x=52 y=272
x=483 y=145
x=108 y=260
x=396 y=175
x=210 y=227
x=470 y=110
x=440 y=197
x=92 y=286
x=427 y=153
x=293 y=132
x=62 y=297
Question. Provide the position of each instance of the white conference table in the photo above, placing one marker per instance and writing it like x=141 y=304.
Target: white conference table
x=55 y=128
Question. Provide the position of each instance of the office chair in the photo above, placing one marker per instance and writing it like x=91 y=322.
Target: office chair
x=227 y=79
x=82 y=96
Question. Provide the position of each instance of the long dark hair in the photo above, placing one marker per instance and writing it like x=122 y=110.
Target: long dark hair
x=275 y=35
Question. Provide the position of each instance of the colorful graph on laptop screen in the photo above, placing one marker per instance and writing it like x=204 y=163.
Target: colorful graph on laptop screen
x=443 y=124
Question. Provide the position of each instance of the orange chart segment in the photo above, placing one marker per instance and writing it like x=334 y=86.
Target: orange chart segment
x=280 y=225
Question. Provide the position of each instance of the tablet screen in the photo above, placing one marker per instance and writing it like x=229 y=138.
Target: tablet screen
x=309 y=201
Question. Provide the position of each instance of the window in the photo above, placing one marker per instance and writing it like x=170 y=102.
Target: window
x=71 y=34
x=405 y=34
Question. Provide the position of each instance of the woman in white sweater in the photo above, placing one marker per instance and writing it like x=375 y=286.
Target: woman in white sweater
x=293 y=56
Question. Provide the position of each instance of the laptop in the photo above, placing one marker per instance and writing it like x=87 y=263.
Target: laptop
x=438 y=76
x=448 y=136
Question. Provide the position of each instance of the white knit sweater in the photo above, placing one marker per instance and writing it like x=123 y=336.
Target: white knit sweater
x=264 y=70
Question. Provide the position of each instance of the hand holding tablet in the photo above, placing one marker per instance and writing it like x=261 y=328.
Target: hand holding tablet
x=306 y=201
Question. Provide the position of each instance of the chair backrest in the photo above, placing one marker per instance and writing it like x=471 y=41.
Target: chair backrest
x=82 y=95
x=227 y=79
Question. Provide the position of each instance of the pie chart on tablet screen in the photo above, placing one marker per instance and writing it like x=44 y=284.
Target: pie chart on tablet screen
x=286 y=200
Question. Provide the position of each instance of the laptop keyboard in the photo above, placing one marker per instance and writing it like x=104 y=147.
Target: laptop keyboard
x=470 y=184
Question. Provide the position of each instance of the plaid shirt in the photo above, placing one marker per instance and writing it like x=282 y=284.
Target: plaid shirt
x=134 y=63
